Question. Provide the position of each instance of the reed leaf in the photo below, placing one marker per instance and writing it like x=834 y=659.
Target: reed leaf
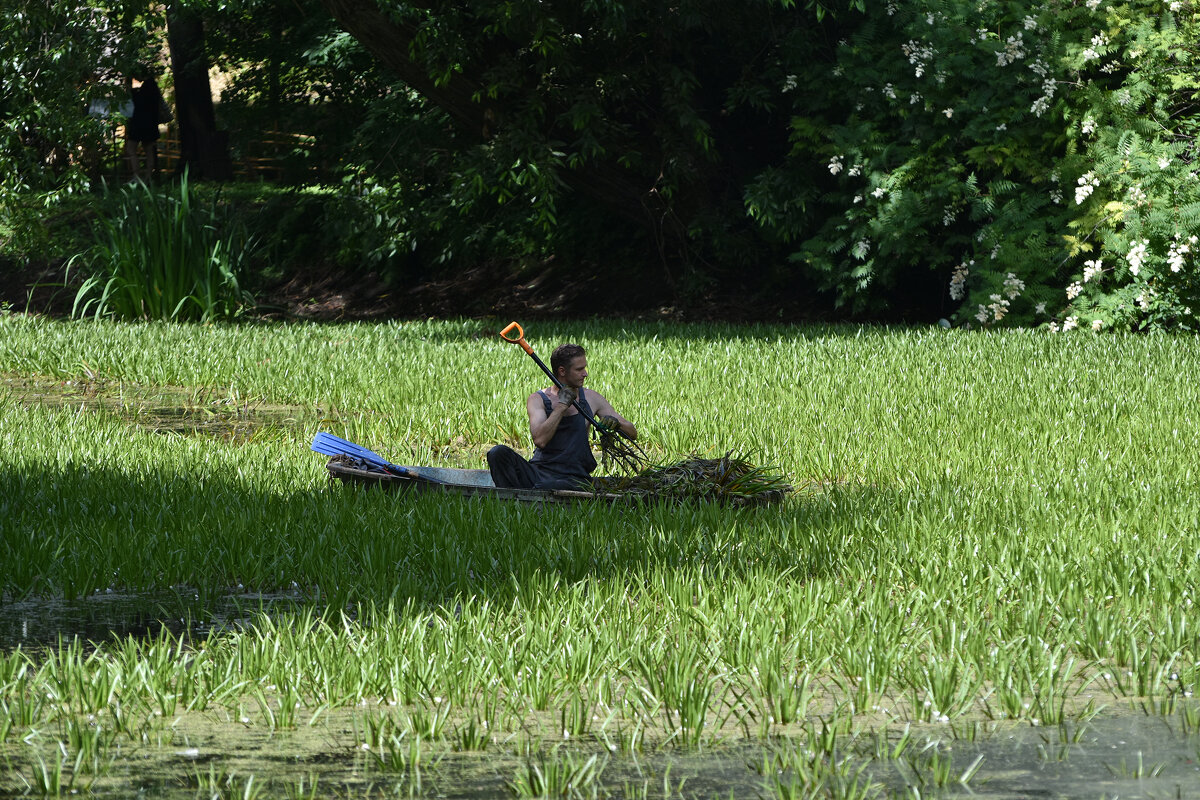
x=158 y=254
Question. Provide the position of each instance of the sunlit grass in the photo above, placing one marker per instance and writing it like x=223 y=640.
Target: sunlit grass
x=995 y=527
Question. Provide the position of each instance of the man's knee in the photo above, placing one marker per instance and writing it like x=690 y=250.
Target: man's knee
x=499 y=454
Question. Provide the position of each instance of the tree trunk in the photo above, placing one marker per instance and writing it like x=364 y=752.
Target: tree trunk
x=204 y=150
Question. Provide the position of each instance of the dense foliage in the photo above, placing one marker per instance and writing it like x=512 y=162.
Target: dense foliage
x=996 y=163
x=1040 y=159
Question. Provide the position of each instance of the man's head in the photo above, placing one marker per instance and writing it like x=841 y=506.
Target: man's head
x=568 y=362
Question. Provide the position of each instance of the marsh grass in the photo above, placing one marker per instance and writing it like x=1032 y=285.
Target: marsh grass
x=162 y=255
x=1001 y=530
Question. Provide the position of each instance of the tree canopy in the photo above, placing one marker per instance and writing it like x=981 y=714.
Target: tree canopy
x=994 y=162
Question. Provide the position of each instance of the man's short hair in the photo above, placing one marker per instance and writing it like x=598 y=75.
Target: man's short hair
x=563 y=355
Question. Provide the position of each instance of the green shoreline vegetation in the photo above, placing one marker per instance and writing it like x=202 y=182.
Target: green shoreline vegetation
x=992 y=528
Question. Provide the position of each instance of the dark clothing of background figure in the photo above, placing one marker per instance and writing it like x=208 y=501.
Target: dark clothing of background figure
x=566 y=462
x=147 y=100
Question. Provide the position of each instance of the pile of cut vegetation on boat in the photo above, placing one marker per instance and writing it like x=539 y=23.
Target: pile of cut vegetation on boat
x=730 y=480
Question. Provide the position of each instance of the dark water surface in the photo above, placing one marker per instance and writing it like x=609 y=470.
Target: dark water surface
x=37 y=622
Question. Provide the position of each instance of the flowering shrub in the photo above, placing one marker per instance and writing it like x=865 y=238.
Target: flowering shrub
x=1133 y=237
x=1041 y=158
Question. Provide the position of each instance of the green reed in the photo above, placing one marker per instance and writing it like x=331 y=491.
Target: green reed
x=161 y=254
x=993 y=526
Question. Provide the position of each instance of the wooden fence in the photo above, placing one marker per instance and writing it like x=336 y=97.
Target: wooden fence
x=270 y=156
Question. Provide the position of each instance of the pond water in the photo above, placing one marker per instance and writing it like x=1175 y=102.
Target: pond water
x=37 y=622
x=1122 y=756
x=162 y=409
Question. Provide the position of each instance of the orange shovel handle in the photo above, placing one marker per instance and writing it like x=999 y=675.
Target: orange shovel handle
x=520 y=338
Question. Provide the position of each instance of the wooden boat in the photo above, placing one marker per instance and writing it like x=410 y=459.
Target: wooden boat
x=478 y=483
x=464 y=482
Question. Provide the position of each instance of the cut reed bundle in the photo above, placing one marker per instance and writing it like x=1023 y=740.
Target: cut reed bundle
x=730 y=479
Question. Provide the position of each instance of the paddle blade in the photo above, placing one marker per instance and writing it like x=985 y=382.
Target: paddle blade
x=330 y=445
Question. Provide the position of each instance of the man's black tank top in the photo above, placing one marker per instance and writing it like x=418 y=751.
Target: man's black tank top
x=566 y=461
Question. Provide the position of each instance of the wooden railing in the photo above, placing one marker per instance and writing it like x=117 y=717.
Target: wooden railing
x=263 y=158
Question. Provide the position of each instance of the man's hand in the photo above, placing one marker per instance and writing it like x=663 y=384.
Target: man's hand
x=612 y=423
x=566 y=396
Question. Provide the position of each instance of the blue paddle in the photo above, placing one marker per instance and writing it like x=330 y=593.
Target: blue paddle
x=330 y=445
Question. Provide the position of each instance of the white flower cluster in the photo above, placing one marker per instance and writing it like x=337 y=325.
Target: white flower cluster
x=1124 y=97
x=1093 y=4
x=949 y=215
x=889 y=91
x=1137 y=195
x=958 y=281
x=789 y=83
x=1091 y=269
x=994 y=310
x=1164 y=162
x=1099 y=42
x=1087 y=184
x=1137 y=255
x=1070 y=323
x=918 y=54
x=1042 y=104
x=1097 y=324
x=878 y=192
x=861 y=248
x=1178 y=251
x=1014 y=50
x=1088 y=126
x=835 y=165
x=1074 y=290
x=1030 y=23
x=1013 y=286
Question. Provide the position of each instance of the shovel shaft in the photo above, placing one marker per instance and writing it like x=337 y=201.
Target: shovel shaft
x=520 y=339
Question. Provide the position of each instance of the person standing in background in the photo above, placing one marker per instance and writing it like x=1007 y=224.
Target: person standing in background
x=141 y=132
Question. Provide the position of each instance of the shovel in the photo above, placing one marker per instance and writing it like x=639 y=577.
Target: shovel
x=525 y=346
x=635 y=453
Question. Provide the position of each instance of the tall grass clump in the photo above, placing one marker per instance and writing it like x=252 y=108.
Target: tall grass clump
x=163 y=254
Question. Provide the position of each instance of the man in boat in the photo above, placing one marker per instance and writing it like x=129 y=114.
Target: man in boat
x=562 y=457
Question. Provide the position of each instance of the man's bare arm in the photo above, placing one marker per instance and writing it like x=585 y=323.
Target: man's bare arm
x=602 y=408
x=543 y=426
